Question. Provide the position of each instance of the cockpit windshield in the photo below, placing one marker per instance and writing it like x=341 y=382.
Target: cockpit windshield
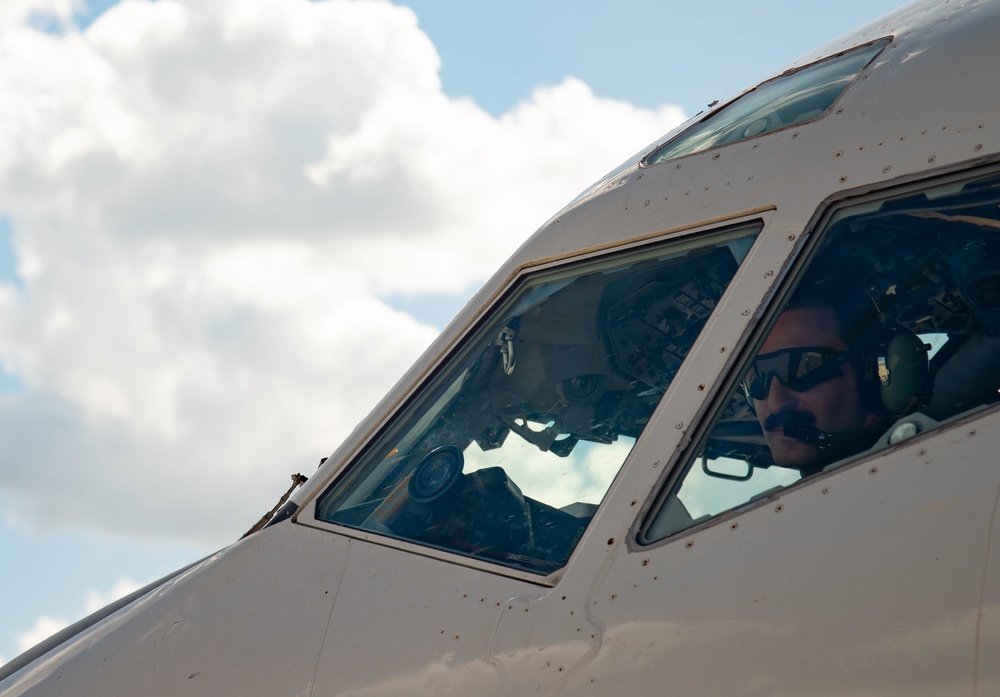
x=779 y=103
x=509 y=449
x=893 y=330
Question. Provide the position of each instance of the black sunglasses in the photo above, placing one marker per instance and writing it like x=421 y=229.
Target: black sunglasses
x=797 y=369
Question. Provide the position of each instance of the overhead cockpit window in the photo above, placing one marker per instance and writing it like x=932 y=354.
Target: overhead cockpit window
x=778 y=103
x=893 y=329
x=508 y=451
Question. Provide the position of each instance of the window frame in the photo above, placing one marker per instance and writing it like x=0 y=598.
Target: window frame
x=753 y=221
x=656 y=158
x=800 y=261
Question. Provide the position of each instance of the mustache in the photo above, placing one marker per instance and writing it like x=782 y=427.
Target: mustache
x=789 y=418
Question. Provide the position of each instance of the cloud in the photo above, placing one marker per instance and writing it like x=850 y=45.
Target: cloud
x=96 y=599
x=42 y=629
x=45 y=626
x=209 y=202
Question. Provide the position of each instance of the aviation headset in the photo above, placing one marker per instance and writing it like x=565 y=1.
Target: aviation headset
x=894 y=372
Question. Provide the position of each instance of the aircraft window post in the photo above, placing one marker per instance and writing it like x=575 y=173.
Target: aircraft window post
x=507 y=451
x=893 y=328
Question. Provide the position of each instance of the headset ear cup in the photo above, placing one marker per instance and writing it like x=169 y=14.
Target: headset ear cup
x=902 y=373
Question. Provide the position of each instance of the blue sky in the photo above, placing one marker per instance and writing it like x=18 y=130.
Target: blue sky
x=215 y=255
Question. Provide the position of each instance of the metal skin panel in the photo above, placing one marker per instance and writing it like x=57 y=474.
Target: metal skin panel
x=866 y=580
x=405 y=625
x=248 y=621
x=988 y=630
x=878 y=578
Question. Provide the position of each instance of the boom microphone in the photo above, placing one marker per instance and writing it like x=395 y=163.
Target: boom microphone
x=823 y=440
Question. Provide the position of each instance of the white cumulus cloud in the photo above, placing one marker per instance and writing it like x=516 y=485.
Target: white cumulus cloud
x=45 y=626
x=211 y=201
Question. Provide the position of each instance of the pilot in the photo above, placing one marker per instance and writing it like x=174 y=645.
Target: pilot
x=807 y=383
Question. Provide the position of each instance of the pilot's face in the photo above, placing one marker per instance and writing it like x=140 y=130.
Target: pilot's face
x=833 y=405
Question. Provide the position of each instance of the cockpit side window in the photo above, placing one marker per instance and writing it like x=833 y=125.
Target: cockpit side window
x=893 y=329
x=779 y=103
x=509 y=449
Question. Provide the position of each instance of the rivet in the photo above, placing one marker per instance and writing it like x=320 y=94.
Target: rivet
x=922 y=452
x=779 y=508
x=689 y=544
x=972 y=432
x=791 y=238
x=795 y=135
x=716 y=156
x=843 y=179
x=614 y=596
x=873 y=471
x=840 y=110
x=722 y=349
x=978 y=148
x=734 y=526
x=885 y=170
x=611 y=541
x=745 y=313
x=679 y=425
x=677 y=166
x=701 y=388
x=645 y=562
x=768 y=274
x=633 y=502
x=839 y=153
x=931 y=158
x=646 y=203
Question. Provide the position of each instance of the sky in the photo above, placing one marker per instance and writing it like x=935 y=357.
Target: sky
x=227 y=227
